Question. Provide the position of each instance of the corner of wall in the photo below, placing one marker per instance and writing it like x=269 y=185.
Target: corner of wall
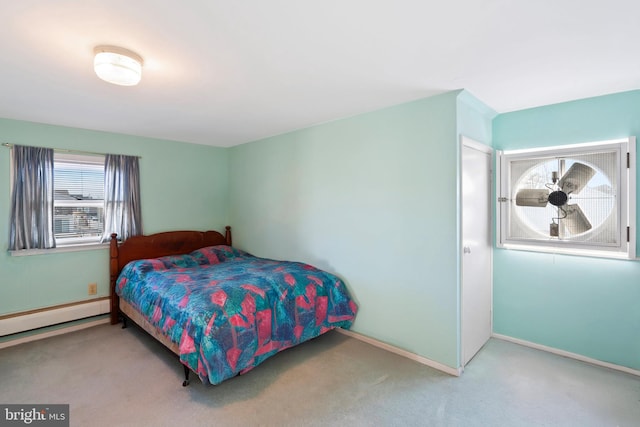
x=474 y=118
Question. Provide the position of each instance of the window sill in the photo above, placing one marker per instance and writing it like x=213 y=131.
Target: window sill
x=624 y=256
x=60 y=249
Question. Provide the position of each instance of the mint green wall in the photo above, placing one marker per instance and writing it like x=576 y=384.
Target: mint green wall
x=183 y=186
x=475 y=119
x=372 y=199
x=582 y=305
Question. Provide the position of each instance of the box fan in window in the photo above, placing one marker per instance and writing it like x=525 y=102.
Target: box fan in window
x=570 y=198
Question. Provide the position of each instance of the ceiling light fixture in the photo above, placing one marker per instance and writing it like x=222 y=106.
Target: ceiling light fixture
x=117 y=65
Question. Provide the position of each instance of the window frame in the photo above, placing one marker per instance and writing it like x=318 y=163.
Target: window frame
x=626 y=175
x=87 y=159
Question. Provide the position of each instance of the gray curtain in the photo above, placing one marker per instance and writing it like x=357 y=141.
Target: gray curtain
x=32 y=199
x=122 y=213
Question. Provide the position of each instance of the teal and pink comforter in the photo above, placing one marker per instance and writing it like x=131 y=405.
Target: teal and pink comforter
x=228 y=311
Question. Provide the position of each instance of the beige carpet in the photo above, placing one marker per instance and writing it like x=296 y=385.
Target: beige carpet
x=115 y=377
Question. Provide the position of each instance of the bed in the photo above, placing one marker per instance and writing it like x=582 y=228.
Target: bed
x=223 y=311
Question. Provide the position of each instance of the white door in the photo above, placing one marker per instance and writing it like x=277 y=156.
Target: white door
x=476 y=277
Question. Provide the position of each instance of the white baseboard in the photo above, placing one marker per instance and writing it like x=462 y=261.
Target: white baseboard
x=415 y=357
x=567 y=354
x=52 y=316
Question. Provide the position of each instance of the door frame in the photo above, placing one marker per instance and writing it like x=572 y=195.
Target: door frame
x=468 y=142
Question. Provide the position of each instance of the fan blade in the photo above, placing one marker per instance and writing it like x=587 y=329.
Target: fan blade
x=575 y=221
x=576 y=178
x=536 y=197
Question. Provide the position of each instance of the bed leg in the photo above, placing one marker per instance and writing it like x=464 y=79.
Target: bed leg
x=186 y=376
x=124 y=322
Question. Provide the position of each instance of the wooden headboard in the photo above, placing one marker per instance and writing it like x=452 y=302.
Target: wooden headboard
x=154 y=246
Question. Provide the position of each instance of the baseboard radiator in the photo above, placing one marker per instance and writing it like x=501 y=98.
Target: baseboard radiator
x=36 y=319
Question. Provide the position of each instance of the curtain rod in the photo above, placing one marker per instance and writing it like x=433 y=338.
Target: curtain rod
x=63 y=150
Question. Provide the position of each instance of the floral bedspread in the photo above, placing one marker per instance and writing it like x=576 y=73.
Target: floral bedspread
x=228 y=311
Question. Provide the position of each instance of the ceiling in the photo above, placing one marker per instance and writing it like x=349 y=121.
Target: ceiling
x=224 y=73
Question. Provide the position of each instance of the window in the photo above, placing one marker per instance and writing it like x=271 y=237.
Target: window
x=64 y=199
x=577 y=199
x=78 y=198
